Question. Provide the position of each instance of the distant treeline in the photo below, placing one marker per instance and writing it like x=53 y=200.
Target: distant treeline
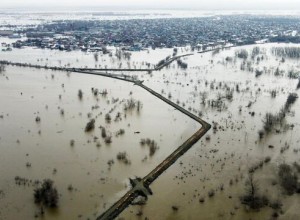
x=285 y=39
x=290 y=52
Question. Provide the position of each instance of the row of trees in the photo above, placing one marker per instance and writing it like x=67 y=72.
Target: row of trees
x=290 y=52
x=272 y=120
x=2 y=68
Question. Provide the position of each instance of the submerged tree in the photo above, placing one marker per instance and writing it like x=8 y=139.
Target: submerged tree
x=96 y=57
x=2 y=68
x=291 y=99
x=251 y=198
x=182 y=64
x=46 y=195
x=90 y=125
x=242 y=54
x=80 y=94
x=292 y=74
x=288 y=179
x=255 y=52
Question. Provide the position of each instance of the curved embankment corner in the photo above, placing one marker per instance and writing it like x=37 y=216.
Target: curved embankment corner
x=140 y=187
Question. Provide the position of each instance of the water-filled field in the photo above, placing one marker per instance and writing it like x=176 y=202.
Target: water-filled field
x=248 y=94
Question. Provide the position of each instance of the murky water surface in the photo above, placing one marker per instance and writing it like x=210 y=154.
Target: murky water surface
x=39 y=150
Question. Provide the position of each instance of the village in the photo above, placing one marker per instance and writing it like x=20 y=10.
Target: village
x=139 y=34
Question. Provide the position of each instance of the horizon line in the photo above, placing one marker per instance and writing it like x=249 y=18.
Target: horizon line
x=163 y=8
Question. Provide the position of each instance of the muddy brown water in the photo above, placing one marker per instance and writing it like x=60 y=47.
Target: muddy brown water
x=225 y=158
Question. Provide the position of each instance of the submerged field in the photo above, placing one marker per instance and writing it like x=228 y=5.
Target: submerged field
x=231 y=89
x=89 y=166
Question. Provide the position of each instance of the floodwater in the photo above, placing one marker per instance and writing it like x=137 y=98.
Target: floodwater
x=220 y=163
x=234 y=147
x=28 y=93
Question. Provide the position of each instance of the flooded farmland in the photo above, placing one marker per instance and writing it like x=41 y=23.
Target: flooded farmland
x=43 y=122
